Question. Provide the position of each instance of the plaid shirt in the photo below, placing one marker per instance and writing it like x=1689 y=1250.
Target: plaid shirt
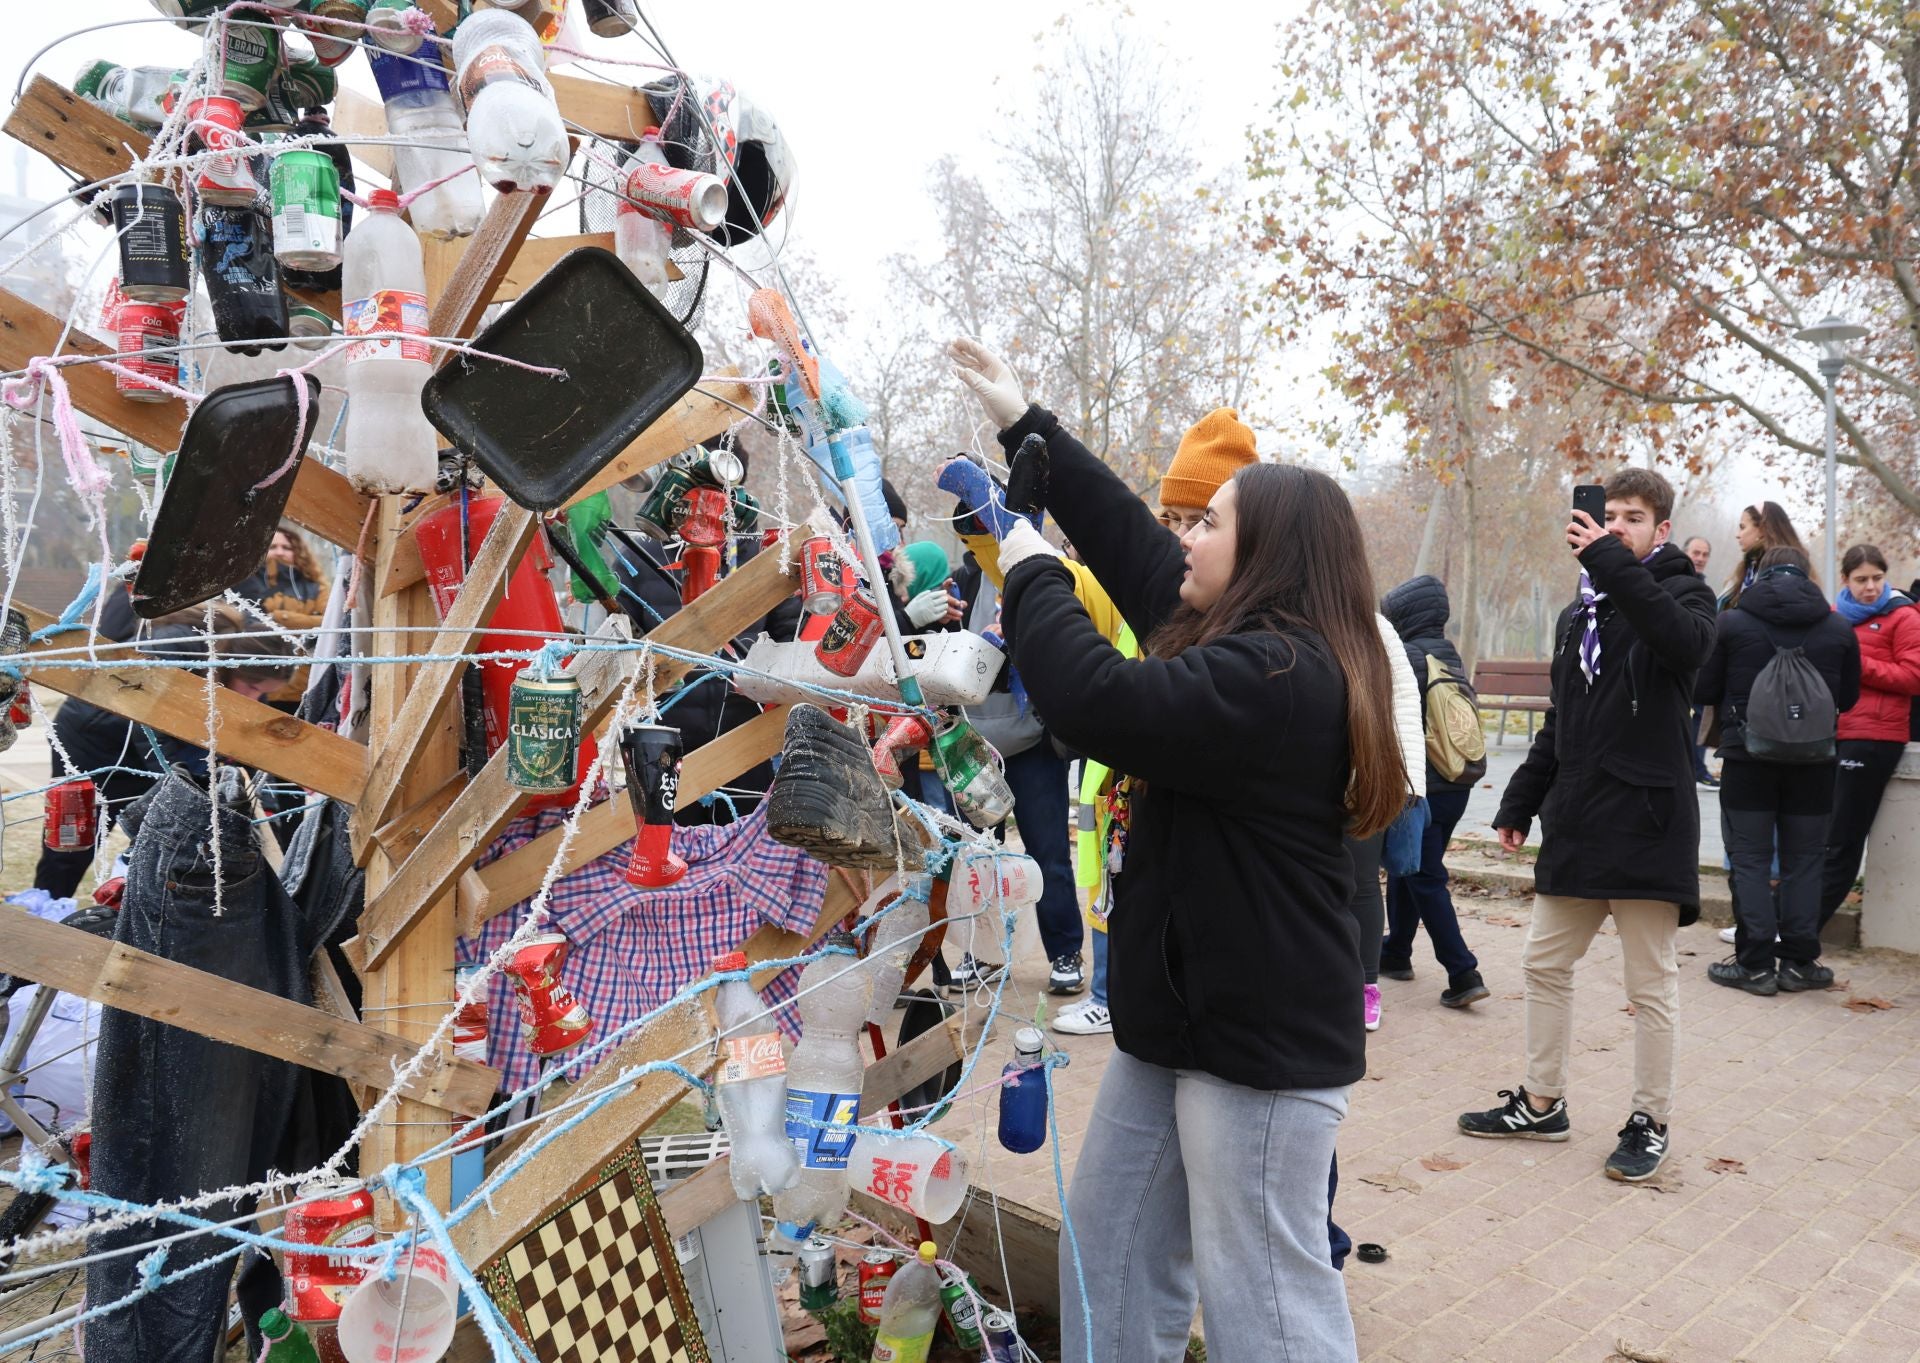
x=633 y=949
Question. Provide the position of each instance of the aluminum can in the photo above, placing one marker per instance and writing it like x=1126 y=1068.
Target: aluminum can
x=251 y=59
x=876 y=1271
x=963 y=1316
x=332 y=45
x=310 y=327
x=543 y=734
x=687 y=198
x=659 y=514
x=333 y=1215
x=551 y=1018
x=224 y=178
x=819 y=1275
x=306 y=210
x=152 y=227
x=73 y=816
x=1002 y=1343
x=141 y=328
x=823 y=577
x=306 y=82
x=850 y=637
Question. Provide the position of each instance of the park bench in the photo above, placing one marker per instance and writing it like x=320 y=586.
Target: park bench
x=1505 y=684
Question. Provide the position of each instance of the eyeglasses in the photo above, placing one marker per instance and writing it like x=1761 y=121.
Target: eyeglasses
x=1181 y=521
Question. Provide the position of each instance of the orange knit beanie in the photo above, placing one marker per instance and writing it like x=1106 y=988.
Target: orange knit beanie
x=1217 y=446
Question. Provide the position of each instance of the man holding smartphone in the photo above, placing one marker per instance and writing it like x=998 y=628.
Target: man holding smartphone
x=1610 y=775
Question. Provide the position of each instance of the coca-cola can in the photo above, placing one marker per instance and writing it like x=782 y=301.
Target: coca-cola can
x=823 y=577
x=876 y=1271
x=149 y=334
x=687 y=198
x=225 y=177
x=332 y=1215
x=73 y=817
x=850 y=637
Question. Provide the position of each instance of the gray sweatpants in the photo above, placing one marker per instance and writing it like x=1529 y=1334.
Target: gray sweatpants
x=1186 y=1177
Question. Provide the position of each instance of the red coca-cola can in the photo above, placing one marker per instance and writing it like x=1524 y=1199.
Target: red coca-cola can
x=688 y=198
x=876 y=1271
x=149 y=333
x=823 y=577
x=73 y=816
x=551 y=1018
x=332 y=1215
x=851 y=636
x=223 y=178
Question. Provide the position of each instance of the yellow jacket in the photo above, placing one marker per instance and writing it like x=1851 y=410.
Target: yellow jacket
x=1100 y=608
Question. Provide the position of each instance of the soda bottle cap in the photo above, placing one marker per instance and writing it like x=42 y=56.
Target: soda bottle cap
x=928 y=1251
x=732 y=960
x=274 y=1323
x=383 y=201
x=1028 y=1041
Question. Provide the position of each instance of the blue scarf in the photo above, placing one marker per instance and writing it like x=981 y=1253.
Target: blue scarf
x=1859 y=614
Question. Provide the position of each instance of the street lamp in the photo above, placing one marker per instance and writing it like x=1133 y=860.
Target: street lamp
x=1831 y=333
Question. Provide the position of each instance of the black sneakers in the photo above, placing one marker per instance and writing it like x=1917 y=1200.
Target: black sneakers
x=1736 y=976
x=1464 y=990
x=827 y=799
x=1643 y=1145
x=1066 y=976
x=973 y=973
x=1395 y=970
x=1518 y=1119
x=1797 y=976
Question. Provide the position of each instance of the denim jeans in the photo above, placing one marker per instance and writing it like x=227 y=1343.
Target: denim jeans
x=1038 y=778
x=1188 y=1186
x=175 y=1113
x=1097 y=991
x=1422 y=898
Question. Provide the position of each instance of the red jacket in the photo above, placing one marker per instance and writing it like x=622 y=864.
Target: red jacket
x=1889 y=676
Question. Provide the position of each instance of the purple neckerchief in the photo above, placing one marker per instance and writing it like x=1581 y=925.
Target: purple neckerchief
x=1590 y=636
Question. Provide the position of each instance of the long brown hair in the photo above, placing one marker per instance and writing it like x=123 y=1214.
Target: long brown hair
x=1300 y=563
x=303 y=559
x=1776 y=532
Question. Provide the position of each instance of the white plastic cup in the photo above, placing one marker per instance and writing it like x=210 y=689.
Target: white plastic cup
x=918 y=1174
x=993 y=880
x=371 y=1330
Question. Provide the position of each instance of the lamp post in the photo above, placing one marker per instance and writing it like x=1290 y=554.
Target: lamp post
x=1831 y=333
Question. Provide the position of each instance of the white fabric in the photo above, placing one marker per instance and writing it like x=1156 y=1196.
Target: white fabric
x=1409 y=719
x=1024 y=542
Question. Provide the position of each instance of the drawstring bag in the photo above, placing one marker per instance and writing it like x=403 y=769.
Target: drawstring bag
x=1400 y=853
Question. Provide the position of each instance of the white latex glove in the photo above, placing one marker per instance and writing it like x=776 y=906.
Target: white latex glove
x=1022 y=543
x=929 y=608
x=990 y=379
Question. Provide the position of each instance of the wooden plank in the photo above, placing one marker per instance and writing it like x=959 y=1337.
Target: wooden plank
x=536 y=256
x=400 y=836
x=501 y=884
x=619 y=112
x=324 y=502
x=174 y=701
x=484 y=261
x=694 y=418
x=330 y=996
x=401 y=566
x=197 y=1001
x=486 y=583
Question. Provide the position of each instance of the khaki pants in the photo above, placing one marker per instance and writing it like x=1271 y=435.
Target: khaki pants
x=1559 y=935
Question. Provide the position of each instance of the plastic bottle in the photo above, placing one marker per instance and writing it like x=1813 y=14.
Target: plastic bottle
x=751 y=1089
x=420 y=108
x=390 y=445
x=824 y=1077
x=1023 y=1101
x=285 y=1340
x=643 y=242
x=857 y=442
x=895 y=938
x=910 y=1312
x=513 y=126
x=133 y=94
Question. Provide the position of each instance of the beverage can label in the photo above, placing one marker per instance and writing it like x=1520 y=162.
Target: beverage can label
x=306 y=207
x=818 y=1146
x=398 y=76
x=893 y=1349
x=752 y=1057
x=491 y=64
x=386 y=310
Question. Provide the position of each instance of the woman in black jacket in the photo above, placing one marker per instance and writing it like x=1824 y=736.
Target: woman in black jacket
x=1258 y=728
x=1764 y=801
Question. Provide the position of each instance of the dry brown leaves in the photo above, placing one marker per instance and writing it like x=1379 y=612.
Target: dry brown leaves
x=1725 y=1166
x=1871 y=1004
x=1393 y=1183
x=1441 y=1164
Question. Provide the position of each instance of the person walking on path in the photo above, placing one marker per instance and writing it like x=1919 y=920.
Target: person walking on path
x=1609 y=777
x=1257 y=728
x=1875 y=729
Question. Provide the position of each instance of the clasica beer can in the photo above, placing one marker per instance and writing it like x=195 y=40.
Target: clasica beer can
x=306 y=210
x=543 y=734
x=152 y=227
x=149 y=337
x=851 y=637
x=957 y=1300
x=823 y=577
x=819 y=1275
x=876 y=1271
x=332 y=1215
x=659 y=514
x=305 y=81
x=251 y=57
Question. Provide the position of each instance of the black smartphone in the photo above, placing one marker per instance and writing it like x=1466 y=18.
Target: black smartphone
x=1592 y=499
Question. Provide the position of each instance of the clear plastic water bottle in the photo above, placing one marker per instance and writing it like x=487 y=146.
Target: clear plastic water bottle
x=910 y=1312
x=420 y=109
x=895 y=938
x=857 y=443
x=751 y=1088
x=133 y=94
x=824 y=1077
x=390 y=445
x=643 y=242
x=1023 y=1099
x=513 y=126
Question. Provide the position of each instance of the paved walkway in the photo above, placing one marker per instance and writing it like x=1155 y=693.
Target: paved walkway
x=1784 y=1229
x=1504 y=760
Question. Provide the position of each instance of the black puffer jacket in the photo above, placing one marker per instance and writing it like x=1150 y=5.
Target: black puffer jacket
x=1782 y=609
x=1418 y=610
x=1610 y=774
x=1231 y=948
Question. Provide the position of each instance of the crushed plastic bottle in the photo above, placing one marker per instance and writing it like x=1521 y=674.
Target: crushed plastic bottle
x=824 y=1077
x=420 y=109
x=751 y=1089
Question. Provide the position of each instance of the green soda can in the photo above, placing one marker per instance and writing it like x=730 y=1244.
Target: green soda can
x=659 y=514
x=963 y=1316
x=543 y=734
x=306 y=210
x=251 y=59
x=967 y=769
x=305 y=81
x=310 y=327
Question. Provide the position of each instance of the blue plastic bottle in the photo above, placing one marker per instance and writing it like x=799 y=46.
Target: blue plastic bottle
x=846 y=438
x=1023 y=1100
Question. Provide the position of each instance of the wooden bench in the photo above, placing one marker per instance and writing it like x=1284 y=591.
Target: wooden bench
x=1505 y=684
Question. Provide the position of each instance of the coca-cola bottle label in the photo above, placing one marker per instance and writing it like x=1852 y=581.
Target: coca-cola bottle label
x=492 y=64
x=752 y=1057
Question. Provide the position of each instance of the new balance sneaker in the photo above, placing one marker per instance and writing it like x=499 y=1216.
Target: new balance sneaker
x=1799 y=976
x=1083 y=1019
x=1065 y=975
x=1464 y=990
x=1370 y=1009
x=1643 y=1145
x=973 y=974
x=1733 y=975
x=1517 y=1118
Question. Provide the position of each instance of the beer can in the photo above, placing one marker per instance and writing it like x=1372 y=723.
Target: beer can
x=306 y=210
x=746 y=510
x=149 y=334
x=691 y=199
x=1001 y=1339
x=225 y=177
x=310 y=327
x=333 y=44
x=387 y=19
x=543 y=734
x=876 y=1271
x=850 y=637
x=305 y=81
x=659 y=514
x=963 y=1315
x=472 y=1022
x=332 y=1215
x=719 y=468
x=250 y=58
x=610 y=18
x=152 y=227
x=823 y=577
x=73 y=819
x=551 y=1018
x=819 y=1275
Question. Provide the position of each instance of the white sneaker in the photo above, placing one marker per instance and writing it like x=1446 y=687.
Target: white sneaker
x=1083 y=1019
x=1727 y=935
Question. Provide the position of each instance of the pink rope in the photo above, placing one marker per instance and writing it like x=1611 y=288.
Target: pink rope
x=148 y=381
x=299 y=382
x=84 y=475
x=407 y=198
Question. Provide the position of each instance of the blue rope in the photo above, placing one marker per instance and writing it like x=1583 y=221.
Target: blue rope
x=1066 y=1216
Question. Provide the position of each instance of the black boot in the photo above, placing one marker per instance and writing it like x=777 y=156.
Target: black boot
x=828 y=800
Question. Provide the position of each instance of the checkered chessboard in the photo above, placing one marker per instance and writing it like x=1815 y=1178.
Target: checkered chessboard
x=598 y=1282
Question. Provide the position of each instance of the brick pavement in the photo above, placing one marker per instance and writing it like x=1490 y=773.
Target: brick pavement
x=1784 y=1229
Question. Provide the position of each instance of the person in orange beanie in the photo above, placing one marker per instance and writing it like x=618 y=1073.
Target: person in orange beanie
x=1215 y=447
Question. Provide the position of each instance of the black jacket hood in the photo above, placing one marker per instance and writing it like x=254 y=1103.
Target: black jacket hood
x=1418 y=608
x=1784 y=597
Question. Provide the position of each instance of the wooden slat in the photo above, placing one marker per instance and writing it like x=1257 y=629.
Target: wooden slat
x=614 y=111
x=484 y=260
x=694 y=418
x=399 y=836
x=208 y=1005
x=503 y=883
x=174 y=701
x=536 y=256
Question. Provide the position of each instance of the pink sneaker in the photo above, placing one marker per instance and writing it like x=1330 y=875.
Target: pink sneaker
x=1372 y=1009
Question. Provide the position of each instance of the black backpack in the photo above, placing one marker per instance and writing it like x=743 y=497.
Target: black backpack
x=1790 y=715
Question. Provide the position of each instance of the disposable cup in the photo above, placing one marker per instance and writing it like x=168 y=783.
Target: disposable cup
x=916 y=1173
x=371 y=1327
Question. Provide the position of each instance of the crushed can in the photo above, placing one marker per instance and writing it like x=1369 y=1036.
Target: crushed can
x=855 y=629
x=551 y=1018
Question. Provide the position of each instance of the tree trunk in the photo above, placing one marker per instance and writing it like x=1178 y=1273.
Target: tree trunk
x=1423 y=561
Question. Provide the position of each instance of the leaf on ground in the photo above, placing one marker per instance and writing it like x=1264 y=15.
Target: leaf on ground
x=1722 y=1165
x=1393 y=1183
x=1870 y=1004
x=1440 y=1164
x=1629 y=1353
x=1513 y=996
x=1503 y=921
x=1630 y=1010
